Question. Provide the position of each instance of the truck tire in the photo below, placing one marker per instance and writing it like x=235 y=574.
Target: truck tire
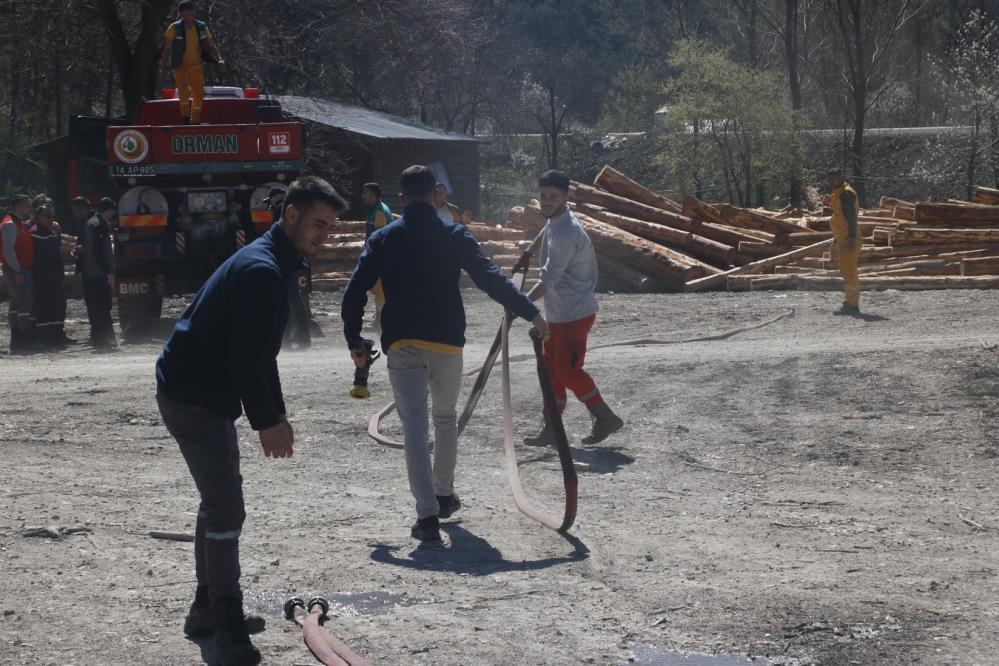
x=137 y=315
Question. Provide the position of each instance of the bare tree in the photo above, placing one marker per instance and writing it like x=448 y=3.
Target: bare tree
x=867 y=31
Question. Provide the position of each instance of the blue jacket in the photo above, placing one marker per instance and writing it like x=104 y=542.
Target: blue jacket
x=224 y=349
x=419 y=259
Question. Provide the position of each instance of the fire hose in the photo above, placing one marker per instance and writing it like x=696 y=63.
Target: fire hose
x=501 y=346
x=325 y=647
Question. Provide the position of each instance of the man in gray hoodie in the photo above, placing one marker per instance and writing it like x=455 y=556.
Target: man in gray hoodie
x=567 y=281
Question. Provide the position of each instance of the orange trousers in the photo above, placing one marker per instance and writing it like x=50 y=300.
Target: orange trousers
x=564 y=354
x=190 y=80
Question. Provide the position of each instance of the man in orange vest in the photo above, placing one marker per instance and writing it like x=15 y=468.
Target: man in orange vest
x=17 y=257
x=189 y=44
x=845 y=210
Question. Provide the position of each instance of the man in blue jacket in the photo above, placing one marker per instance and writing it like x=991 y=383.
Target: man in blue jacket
x=419 y=259
x=220 y=362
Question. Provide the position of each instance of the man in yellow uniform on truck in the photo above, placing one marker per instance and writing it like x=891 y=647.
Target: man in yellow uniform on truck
x=845 y=209
x=189 y=44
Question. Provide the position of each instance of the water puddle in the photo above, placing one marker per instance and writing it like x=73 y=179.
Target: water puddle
x=271 y=604
x=656 y=655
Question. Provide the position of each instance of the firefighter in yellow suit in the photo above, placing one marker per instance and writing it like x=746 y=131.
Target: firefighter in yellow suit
x=845 y=209
x=188 y=45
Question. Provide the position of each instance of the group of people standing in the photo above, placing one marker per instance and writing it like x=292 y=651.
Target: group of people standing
x=221 y=360
x=33 y=272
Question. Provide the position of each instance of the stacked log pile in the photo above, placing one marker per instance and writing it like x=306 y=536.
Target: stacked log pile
x=906 y=245
x=336 y=261
x=649 y=242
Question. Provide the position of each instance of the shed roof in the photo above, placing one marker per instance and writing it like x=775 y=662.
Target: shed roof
x=367 y=122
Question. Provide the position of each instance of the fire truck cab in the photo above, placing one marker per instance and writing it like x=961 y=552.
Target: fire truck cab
x=191 y=195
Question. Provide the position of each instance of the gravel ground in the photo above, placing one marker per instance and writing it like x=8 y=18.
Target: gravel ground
x=820 y=490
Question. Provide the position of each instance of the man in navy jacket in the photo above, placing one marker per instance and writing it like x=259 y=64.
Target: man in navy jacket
x=419 y=259
x=220 y=362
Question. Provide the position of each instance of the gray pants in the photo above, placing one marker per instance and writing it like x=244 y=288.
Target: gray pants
x=415 y=372
x=21 y=299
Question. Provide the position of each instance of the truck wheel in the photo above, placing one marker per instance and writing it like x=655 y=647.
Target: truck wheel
x=137 y=316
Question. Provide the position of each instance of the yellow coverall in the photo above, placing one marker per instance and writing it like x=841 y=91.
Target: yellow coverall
x=190 y=76
x=844 y=203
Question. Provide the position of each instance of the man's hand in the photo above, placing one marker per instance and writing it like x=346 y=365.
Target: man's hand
x=291 y=431
x=111 y=281
x=360 y=357
x=277 y=440
x=18 y=279
x=542 y=326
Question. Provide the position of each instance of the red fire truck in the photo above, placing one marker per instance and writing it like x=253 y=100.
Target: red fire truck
x=191 y=195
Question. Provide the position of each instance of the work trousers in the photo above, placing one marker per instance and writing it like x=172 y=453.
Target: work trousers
x=20 y=305
x=849 y=261
x=97 y=295
x=414 y=373
x=190 y=80
x=209 y=445
x=564 y=354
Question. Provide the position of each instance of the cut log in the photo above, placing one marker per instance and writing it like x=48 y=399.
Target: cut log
x=935 y=266
x=761 y=250
x=831 y=283
x=904 y=213
x=665 y=267
x=902 y=283
x=698 y=246
x=611 y=180
x=639 y=211
x=922 y=235
x=751 y=219
x=348 y=227
x=888 y=203
x=980 y=265
x=763 y=283
x=986 y=195
x=622 y=276
x=528 y=218
x=803 y=238
x=818 y=223
x=719 y=281
x=884 y=253
x=957 y=215
x=696 y=209
x=648 y=257
x=340 y=252
x=482 y=232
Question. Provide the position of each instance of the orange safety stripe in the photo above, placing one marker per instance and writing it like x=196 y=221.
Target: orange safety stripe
x=259 y=216
x=132 y=221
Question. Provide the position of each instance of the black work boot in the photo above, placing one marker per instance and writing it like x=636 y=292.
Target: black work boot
x=200 y=620
x=231 y=635
x=427 y=529
x=545 y=436
x=605 y=423
x=848 y=309
x=448 y=505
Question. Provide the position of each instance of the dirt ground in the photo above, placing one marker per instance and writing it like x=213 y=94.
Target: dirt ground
x=821 y=490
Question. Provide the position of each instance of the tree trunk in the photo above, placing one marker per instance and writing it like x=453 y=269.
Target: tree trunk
x=611 y=180
x=791 y=51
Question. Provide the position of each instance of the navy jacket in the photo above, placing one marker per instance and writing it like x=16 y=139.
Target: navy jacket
x=224 y=349
x=419 y=259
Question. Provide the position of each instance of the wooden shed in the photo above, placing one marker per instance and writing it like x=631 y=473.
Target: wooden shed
x=353 y=145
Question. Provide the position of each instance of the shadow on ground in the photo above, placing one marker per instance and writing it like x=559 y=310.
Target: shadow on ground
x=470 y=554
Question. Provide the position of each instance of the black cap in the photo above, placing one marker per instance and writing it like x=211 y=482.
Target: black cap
x=273 y=193
x=106 y=203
